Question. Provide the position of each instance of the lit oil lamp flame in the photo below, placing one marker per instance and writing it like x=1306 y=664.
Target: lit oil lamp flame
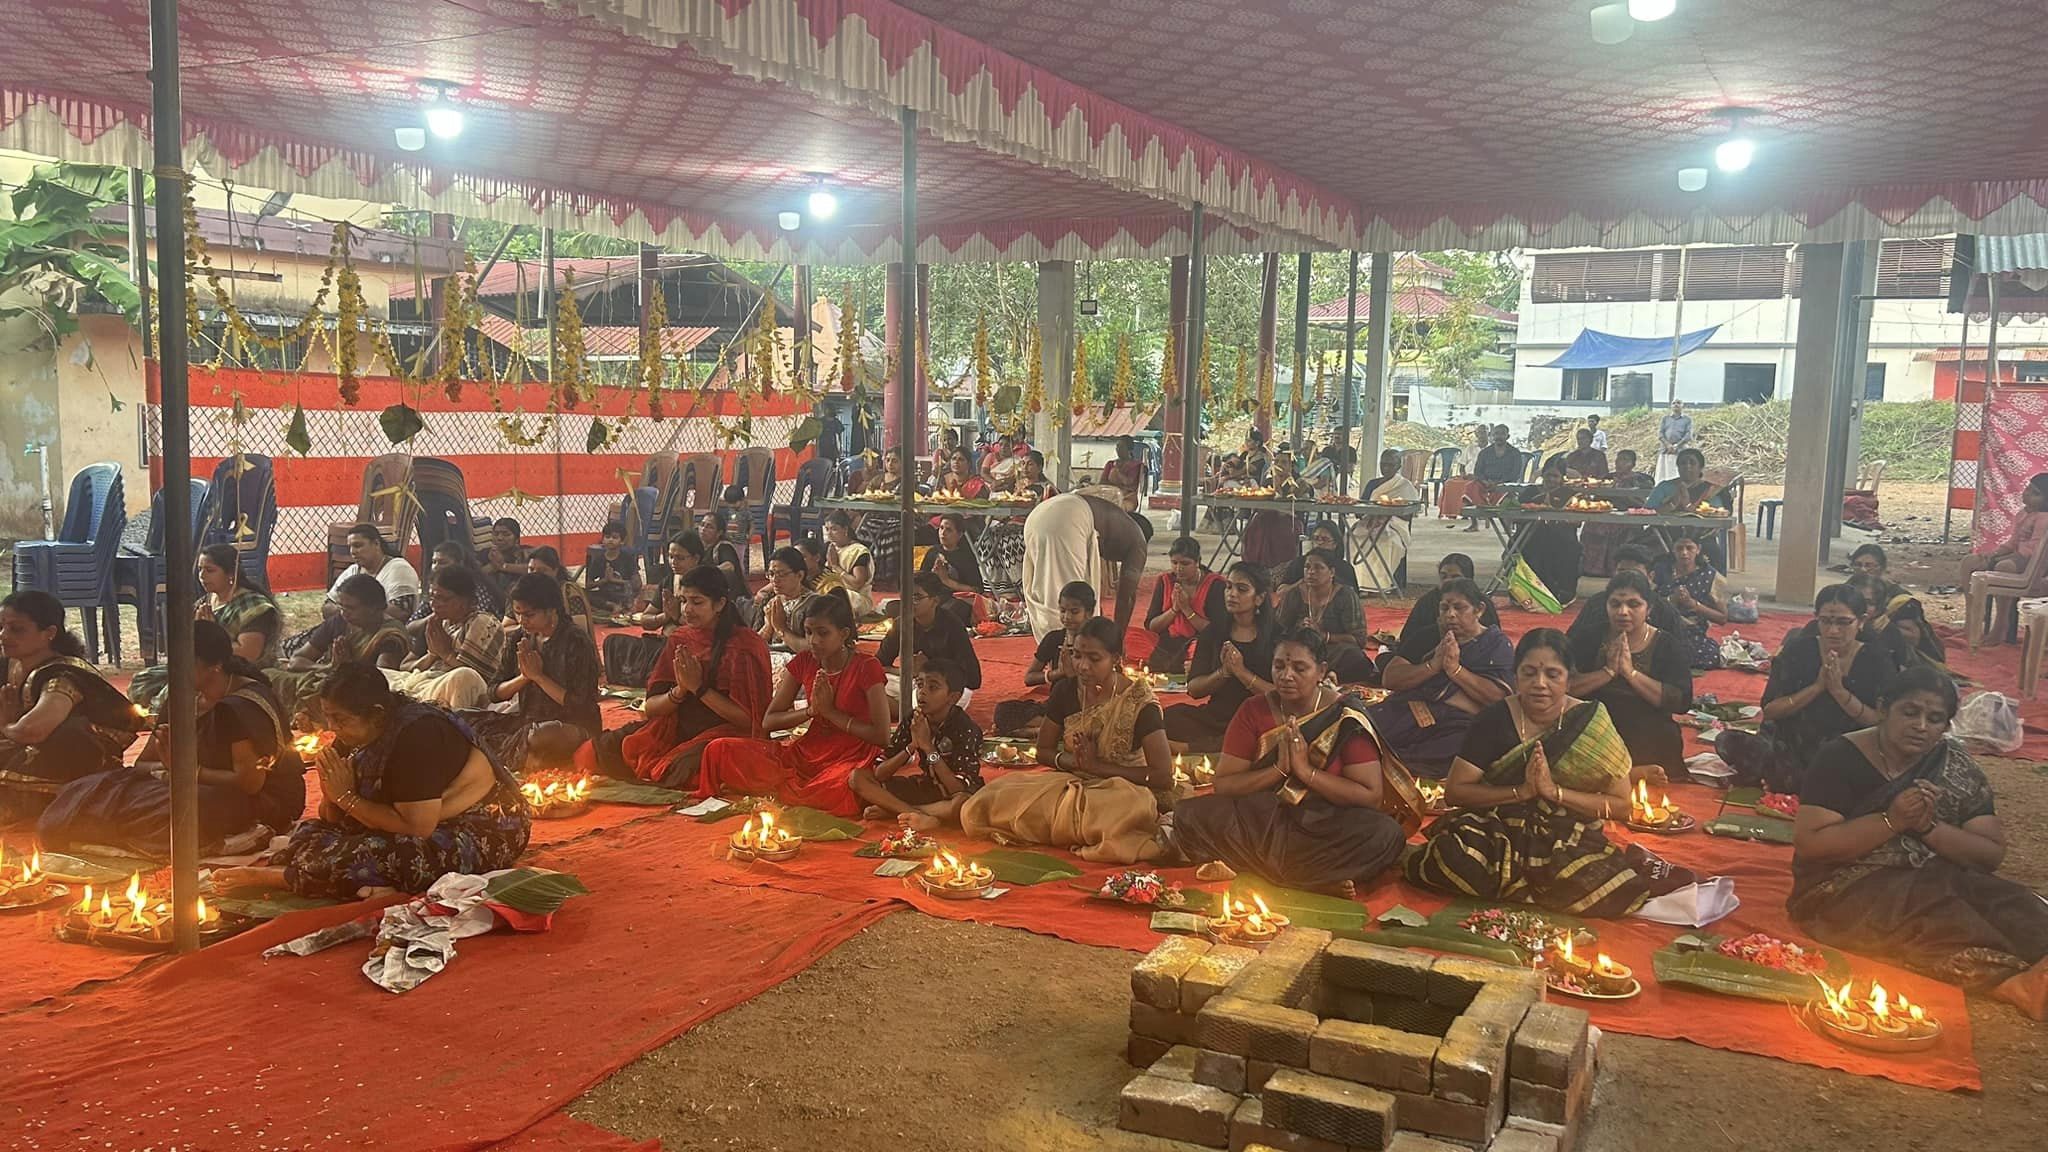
x=85 y=902
x=313 y=743
x=1878 y=1005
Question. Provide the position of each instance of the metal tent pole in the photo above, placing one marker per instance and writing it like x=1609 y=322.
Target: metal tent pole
x=1304 y=268
x=180 y=706
x=1191 y=371
x=907 y=420
x=548 y=309
x=1948 y=513
x=1993 y=376
x=1347 y=392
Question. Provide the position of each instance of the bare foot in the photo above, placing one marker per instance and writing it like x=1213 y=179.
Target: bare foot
x=918 y=821
x=375 y=891
x=229 y=879
x=874 y=812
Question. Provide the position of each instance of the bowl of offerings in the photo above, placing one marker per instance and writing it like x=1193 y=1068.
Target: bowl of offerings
x=949 y=877
x=762 y=838
x=1877 y=1021
x=24 y=884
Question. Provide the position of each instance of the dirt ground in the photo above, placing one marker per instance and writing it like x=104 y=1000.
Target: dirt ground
x=922 y=1035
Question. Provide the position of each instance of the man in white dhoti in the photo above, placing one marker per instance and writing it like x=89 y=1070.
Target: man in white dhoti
x=1078 y=537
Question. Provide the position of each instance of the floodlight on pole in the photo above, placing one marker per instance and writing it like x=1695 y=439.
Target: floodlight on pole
x=1734 y=153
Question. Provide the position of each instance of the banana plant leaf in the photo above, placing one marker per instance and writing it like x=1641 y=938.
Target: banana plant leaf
x=1714 y=972
x=297 y=436
x=401 y=422
x=1018 y=867
x=812 y=824
x=1837 y=962
x=90 y=869
x=1438 y=939
x=1747 y=826
x=1742 y=797
x=807 y=430
x=1333 y=914
x=534 y=891
x=613 y=791
x=259 y=904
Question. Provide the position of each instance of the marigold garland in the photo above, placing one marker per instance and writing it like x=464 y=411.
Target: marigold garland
x=1034 y=379
x=1266 y=370
x=1078 y=386
x=848 y=368
x=1123 y=388
x=1300 y=384
x=984 y=370
x=1167 y=372
x=654 y=351
x=568 y=363
x=1204 y=380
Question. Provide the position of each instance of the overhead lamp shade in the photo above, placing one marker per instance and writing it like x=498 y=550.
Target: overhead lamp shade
x=789 y=221
x=1734 y=154
x=410 y=138
x=1611 y=24
x=1692 y=179
x=1650 y=11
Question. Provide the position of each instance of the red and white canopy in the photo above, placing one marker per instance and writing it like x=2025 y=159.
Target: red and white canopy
x=1083 y=128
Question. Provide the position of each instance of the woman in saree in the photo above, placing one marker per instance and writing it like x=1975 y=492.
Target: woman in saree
x=848 y=564
x=1384 y=566
x=881 y=532
x=1909 y=638
x=362 y=632
x=1551 y=547
x=59 y=720
x=238 y=603
x=1471 y=668
x=1321 y=603
x=409 y=796
x=1539 y=774
x=1231 y=661
x=1822 y=685
x=1691 y=488
x=548 y=671
x=784 y=604
x=1638 y=672
x=1699 y=595
x=1300 y=787
x=249 y=774
x=1105 y=739
x=1896 y=852
x=1323 y=536
x=846 y=704
x=463 y=646
x=1184 y=601
x=710 y=682
x=1002 y=543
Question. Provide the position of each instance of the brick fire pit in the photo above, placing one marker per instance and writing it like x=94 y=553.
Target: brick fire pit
x=1321 y=1045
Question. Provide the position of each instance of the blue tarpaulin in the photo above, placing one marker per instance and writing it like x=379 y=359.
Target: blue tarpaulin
x=1606 y=350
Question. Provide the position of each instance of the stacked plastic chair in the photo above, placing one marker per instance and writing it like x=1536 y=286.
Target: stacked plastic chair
x=78 y=567
x=386 y=503
x=140 y=577
x=754 y=472
x=241 y=510
x=800 y=516
x=444 y=512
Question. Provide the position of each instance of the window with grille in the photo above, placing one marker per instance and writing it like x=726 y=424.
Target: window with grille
x=1914 y=269
x=1873 y=382
x=1637 y=274
x=1585 y=384
x=1753 y=272
x=1748 y=383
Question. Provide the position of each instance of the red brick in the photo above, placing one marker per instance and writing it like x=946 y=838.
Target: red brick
x=1258 y=1031
x=1220 y=1070
x=1471 y=1064
x=1177 y=1064
x=1209 y=975
x=1143 y=1051
x=1549 y=1045
x=1376 y=968
x=1156 y=979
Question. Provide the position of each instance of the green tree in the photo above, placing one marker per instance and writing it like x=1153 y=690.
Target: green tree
x=54 y=250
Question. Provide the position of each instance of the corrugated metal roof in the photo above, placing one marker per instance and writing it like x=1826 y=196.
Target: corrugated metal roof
x=2023 y=257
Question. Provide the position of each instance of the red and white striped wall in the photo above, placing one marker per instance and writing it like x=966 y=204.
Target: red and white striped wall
x=503 y=479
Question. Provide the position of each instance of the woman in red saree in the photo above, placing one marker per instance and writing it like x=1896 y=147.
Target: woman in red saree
x=846 y=705
x=710 y=681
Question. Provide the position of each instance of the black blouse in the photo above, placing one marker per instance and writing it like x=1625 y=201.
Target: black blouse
x=945 y=638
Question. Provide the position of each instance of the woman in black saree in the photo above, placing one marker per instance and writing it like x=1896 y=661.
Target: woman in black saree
x=1897 y=847
x=1303 y=794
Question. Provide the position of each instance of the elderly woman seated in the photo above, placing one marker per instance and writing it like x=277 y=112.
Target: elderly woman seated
x=1105 y=738
x=1435 y=698
x=1300 y=787
x=409 y=797
x=1897 y=847
x=1538 y=778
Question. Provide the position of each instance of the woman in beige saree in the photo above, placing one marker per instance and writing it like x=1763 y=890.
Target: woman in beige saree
x=1104 y=736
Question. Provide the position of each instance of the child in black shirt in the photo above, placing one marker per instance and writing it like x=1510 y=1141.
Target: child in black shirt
x=941 y=748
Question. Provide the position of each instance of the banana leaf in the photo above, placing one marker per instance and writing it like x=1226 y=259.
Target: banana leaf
x=1748 y=826
x=296 y=435
x=259 y=904
x=1742 y=797
x=1714 y=972
x=90 y=869
x=1403 y=916
x=534 y=891
x=1333 y=914
x=1438 y=939
x=614 y=791
x=812 y=824
x=401 y=422
x=1018 y=867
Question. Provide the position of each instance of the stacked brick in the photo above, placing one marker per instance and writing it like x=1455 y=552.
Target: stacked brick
x=1321 y=1045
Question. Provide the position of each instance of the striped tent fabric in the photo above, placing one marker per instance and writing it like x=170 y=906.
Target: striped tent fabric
x=503 y=479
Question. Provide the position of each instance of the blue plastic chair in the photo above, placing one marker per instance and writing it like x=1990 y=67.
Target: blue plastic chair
x=140 y=577
x=800 y=515
x=241 y=509
x=78 y=567
x=754 y=472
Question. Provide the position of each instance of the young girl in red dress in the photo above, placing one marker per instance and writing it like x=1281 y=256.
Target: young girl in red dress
x=848 y=709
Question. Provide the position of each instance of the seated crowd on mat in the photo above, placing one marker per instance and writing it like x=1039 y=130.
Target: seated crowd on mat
x=1538 y=741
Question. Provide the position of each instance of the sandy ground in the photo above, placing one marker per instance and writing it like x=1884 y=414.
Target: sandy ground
x=930 y=1036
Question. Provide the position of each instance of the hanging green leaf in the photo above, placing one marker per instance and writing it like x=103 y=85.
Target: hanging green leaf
x=805 y=433
x=1006 y=399
x=401 y=422
x=115 y=401
x=615 y=791
x=534 y=891
x=599 y=436
x=1015 y=866
x=296 y=436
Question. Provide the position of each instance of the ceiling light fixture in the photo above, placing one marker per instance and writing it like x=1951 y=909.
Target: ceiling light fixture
x=789 y=221
x=1611 y=23
x=443 y=118
x=1734 y=154
x=824 y=204
x=1692 y=179
x=409 y=137
x=1651 y=11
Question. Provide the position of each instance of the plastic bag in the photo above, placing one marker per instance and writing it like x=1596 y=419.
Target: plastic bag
x=1991 y=720
x=1742 y=607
